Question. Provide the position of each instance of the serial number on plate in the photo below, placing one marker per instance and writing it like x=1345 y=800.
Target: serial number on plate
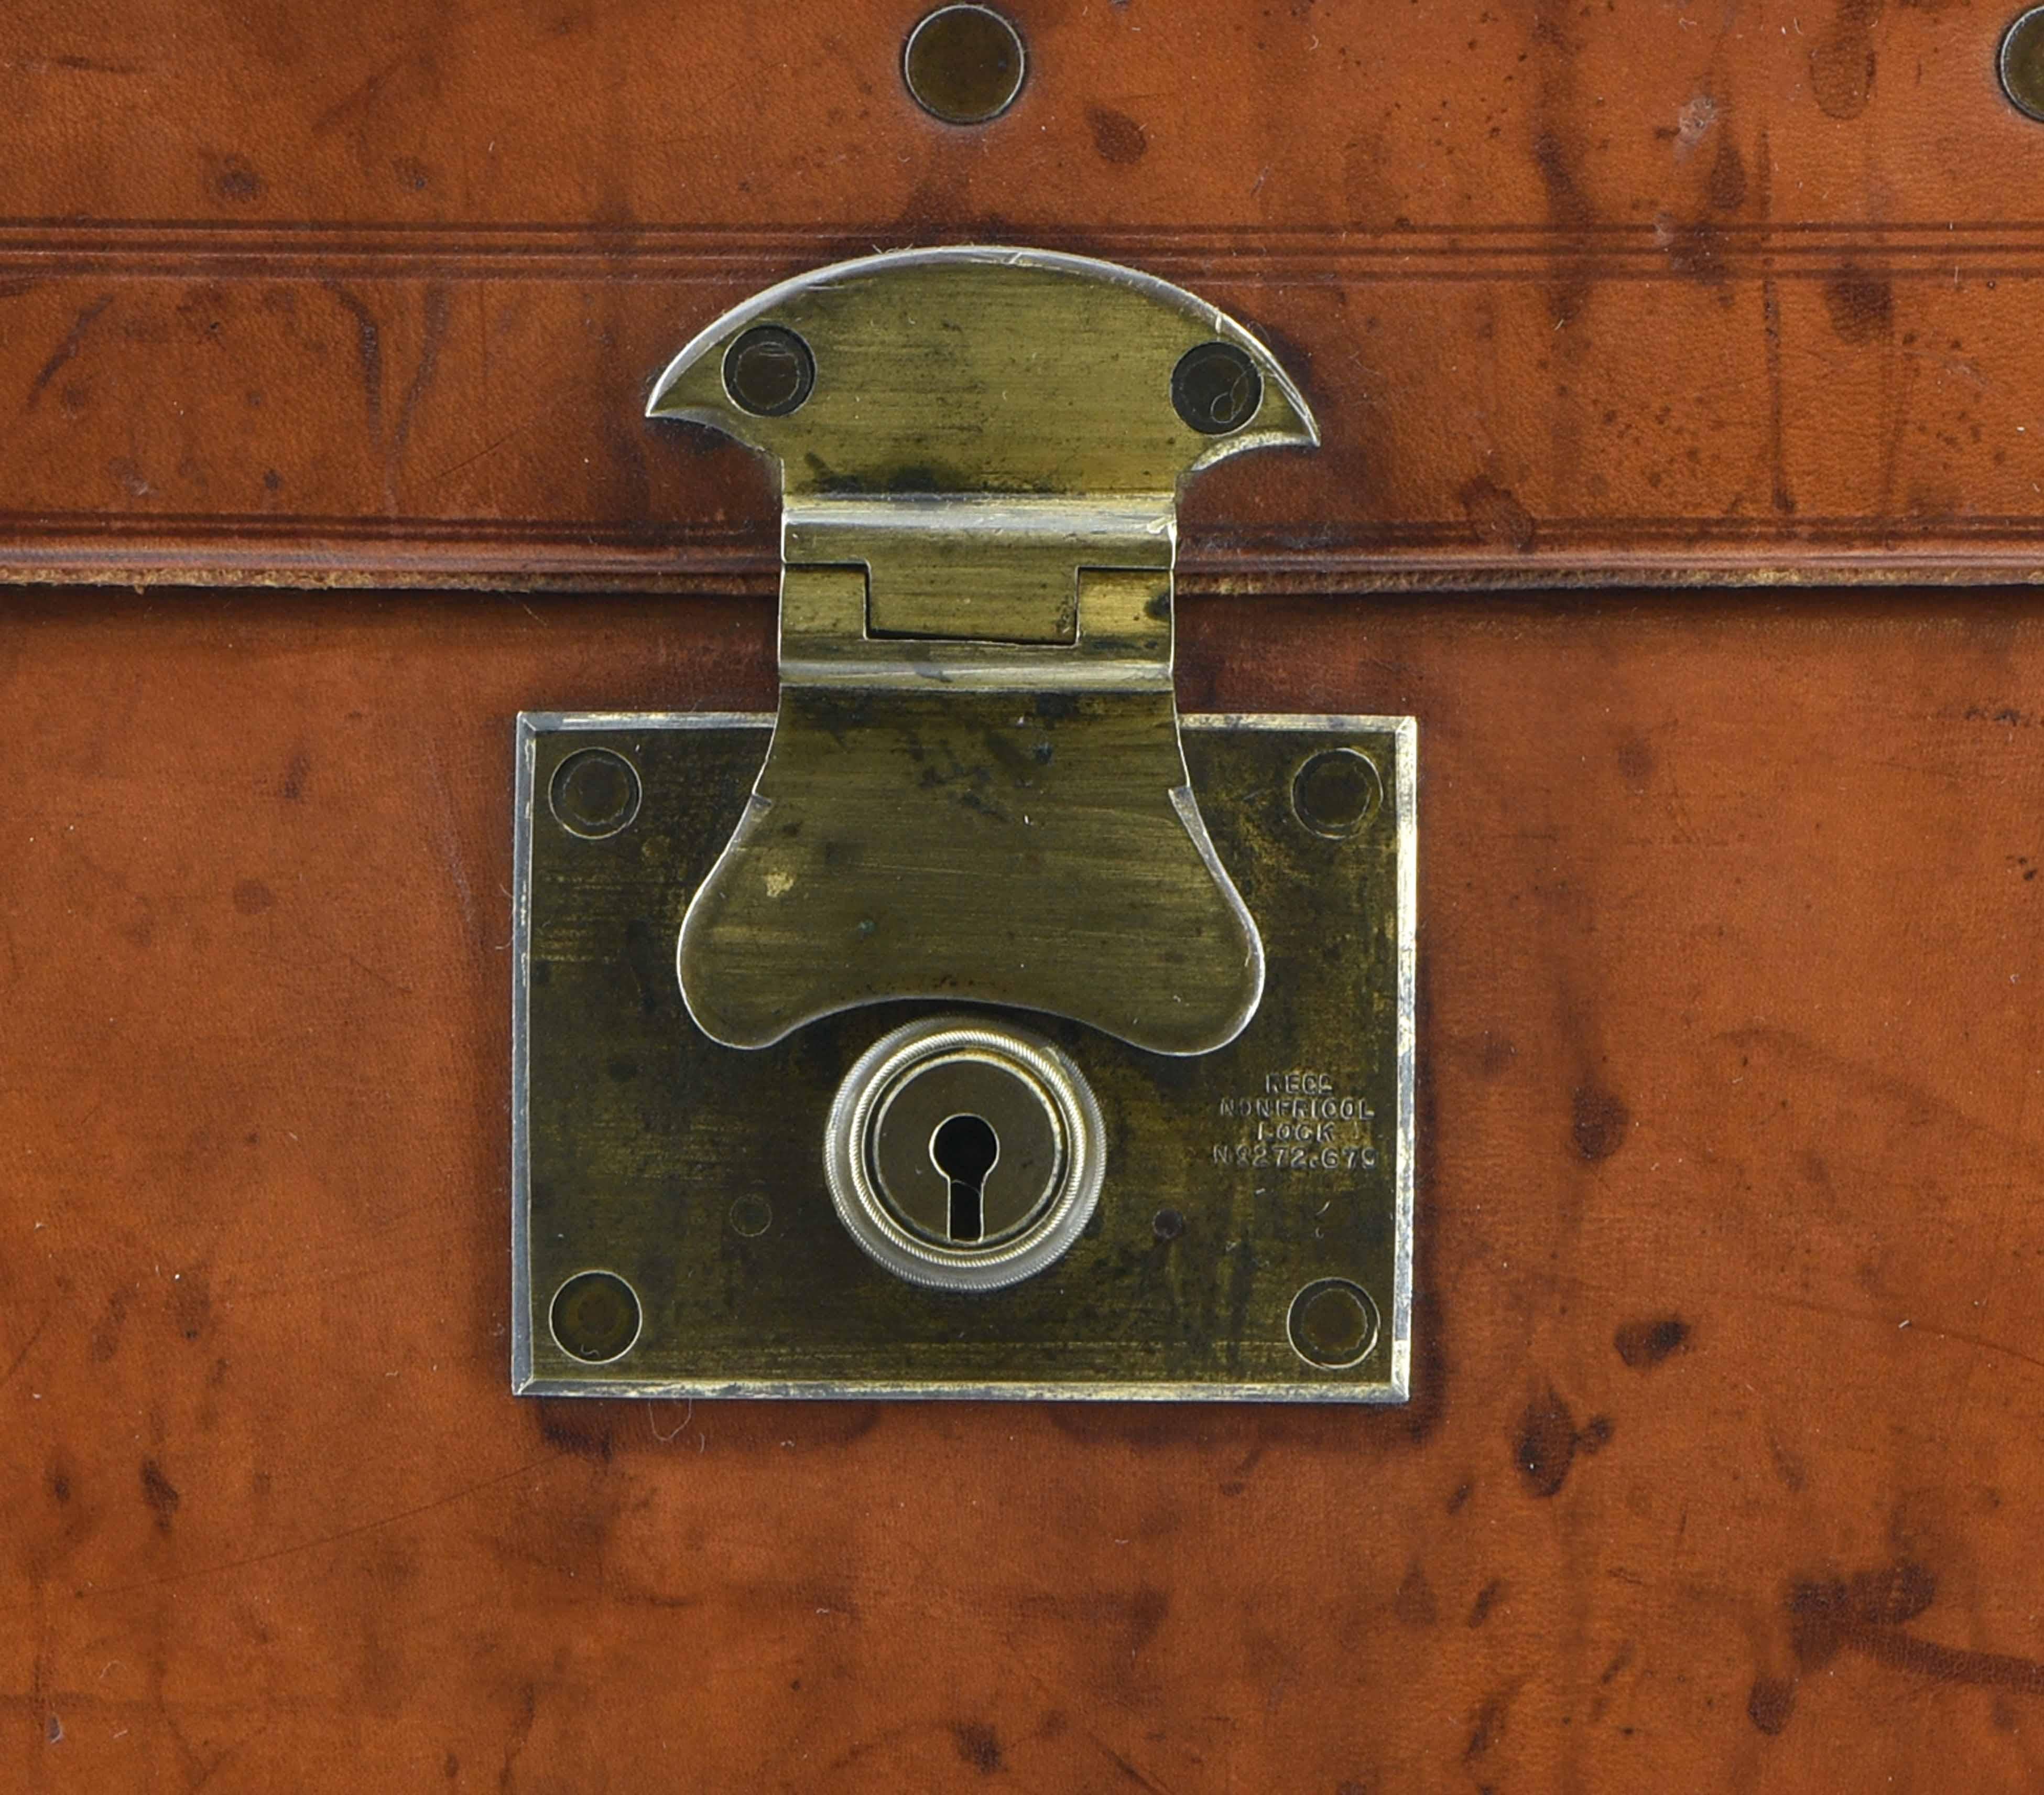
x=1300 y=1121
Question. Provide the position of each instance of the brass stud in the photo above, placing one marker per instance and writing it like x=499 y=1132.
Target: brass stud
x=1333 y=1324
x=2022 y=62
x=595 y=1317
x=964 y=65
x=594 y=793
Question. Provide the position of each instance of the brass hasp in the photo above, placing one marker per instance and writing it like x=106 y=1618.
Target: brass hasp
x=975 y=790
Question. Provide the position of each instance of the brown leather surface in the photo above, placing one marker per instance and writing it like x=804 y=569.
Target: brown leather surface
x=1725 y=1467
x=361 y=292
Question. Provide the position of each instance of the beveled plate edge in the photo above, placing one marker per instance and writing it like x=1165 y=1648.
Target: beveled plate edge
x=1404 y=732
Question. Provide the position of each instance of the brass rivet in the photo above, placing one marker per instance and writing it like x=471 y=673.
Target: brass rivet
x=769 y=371
x=593 y=794
x=2022 y=62
x=1216 y=389
x=1333 y=1324
x=595 y=1317
x=964 y=65
x=1337 y=792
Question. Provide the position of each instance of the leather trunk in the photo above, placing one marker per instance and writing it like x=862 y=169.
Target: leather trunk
x=1678 y=376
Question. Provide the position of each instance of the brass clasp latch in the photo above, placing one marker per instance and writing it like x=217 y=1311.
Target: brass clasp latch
x=976 y=791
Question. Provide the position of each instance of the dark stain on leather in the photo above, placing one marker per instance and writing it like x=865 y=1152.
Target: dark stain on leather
x=1779 y=494
x=1695 y=252
x=1144 y=1427
x=1116 y=138
x=1486 y=1599
x=1868 y=1613
x=1545 y=1447
x=1497 y=516
x=1636 y=759
x=1427 y=1407
x=1548 y=1441
x=1827 y=1613
x=106 y=1336
x=191 y=1305
x=1646 y=1343
x=1843 y=61
x=159 y=1493
x=1414 y=1604
x=1860 y=306
x=438 y=311
x=1789 y=1467
x=571 y=1425
x=1727 y=181
x=1566 y=206
x=979 y=1745
x=73 y=341
x=1598 y=1123
x=1487 y=1724
x=1772 y=1701
x=235 y=180
x=369 y=352
x=1146 y=1610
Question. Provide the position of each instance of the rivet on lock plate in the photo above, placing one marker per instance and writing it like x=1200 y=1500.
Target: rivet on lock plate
x=975 y=1024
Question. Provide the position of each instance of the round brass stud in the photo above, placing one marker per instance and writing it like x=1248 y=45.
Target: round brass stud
x=1337 y=792
x=1215 y=389
x=964 y=65
x=2022 y=62
x=1333 y=1324
x=769 y=371
x=594 y=793
x=595 y=1317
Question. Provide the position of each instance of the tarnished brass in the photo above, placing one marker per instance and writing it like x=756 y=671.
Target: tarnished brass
x=964 y=1153
x=975 y=790
x=975 y=796
x=2021 y=61
x=964 y=65
x=674 y=1227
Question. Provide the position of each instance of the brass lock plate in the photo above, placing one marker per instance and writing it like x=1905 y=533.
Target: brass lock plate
x=674 y=1232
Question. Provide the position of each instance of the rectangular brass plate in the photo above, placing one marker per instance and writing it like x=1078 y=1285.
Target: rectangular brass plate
x=1236 y=1181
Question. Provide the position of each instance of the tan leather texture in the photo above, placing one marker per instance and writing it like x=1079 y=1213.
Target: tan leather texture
x=370 y=292
x=1724 y=1468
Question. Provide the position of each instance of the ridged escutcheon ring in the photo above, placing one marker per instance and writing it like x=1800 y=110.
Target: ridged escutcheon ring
x=849 y=1141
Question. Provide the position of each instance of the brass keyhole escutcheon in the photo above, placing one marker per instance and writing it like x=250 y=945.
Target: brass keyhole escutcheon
x=964 y=1154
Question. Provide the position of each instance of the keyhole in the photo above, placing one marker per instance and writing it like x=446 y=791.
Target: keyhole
x=964 y=1148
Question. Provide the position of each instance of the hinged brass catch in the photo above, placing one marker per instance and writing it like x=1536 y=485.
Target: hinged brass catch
x=976 y=791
